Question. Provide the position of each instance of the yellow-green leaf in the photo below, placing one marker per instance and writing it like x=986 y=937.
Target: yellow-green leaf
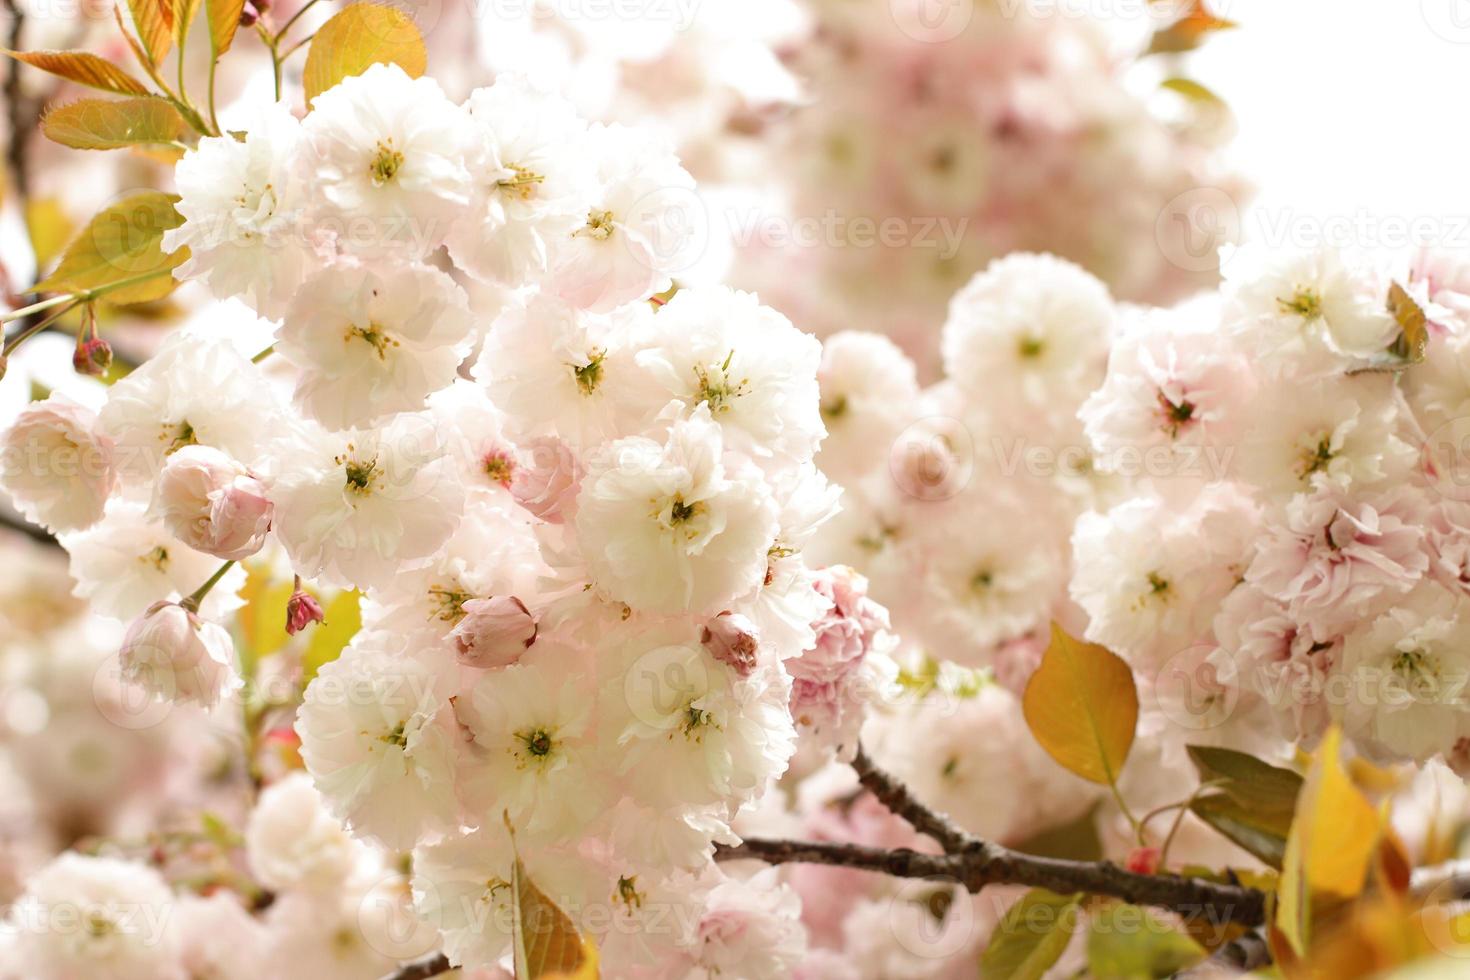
x=1031 y=936
x=224 y=20
x=154 y=22
x=49 y=226
x=84 y=69
x=342 y=617
x=1082 y=706
x=1192 y=90
x=1332 y=839
x=545 y=942
x=1263 y=834
x=106 y=124
x=358 y=37
x=1126 y=942
x=121 y=245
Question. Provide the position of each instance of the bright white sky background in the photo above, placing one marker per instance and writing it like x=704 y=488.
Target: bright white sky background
x=1347 y=107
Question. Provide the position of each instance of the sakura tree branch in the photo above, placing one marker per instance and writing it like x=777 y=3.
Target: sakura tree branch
x=421 y=969
x=984 y=863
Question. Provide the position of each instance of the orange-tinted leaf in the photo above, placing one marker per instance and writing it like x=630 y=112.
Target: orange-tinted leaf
x=357 y=38
x=1082 y=706
x=154 y=22
x=84 y=69
x=1189 y=31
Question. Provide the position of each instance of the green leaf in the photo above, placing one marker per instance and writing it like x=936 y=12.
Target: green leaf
x=224 y=20
x=342 y=619
x=1073 y=841
x=154 y=22
x=121 y=244
x=1245 y=777
x=218 y=831
x=545 y=942
x=1082 y=706
x=104 y=124
x=357 y=38
x=1031 y=937
x=1126 y=942
x=84 y=69
x=1260 y=834
x=1251 y=802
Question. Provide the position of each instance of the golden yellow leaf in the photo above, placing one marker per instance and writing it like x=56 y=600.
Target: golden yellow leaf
x=84 y=69
x=1413 y=337
x=224 y=20
x=358 y=37
x=1333 y=836
x=1082 y=706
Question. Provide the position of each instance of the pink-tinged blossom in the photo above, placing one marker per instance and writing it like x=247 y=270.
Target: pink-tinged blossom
x=213 y=504
x=1335 y=559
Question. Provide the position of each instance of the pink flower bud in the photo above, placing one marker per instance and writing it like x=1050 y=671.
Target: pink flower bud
x=733 y=640
x=546 y=485
x=212 y=503
x=248 y=16
x=92 y=357
x=494 y=632
x=176 y=656
x=302 y=610
x=1143 y=860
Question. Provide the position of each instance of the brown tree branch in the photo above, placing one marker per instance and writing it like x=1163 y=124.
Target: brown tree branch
x=985 y=863
x=893 y=794
x=421 y=969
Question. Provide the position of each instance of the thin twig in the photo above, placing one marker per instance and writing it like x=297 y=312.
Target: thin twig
x=421 y=969
x=893 y=794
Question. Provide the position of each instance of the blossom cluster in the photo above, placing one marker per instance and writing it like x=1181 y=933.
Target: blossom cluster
x=937 y=140
x=575 y=507
x=1315 y=571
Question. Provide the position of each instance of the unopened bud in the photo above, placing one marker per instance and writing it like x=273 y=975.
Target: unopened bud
x=302 y=610
x=494 y=631
x=92 y=357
